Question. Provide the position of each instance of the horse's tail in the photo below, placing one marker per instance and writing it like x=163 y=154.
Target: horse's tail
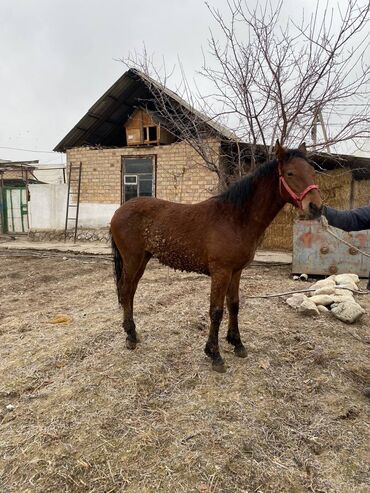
x=117 y=268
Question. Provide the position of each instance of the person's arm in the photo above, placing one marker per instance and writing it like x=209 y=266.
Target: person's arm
x=353 y=220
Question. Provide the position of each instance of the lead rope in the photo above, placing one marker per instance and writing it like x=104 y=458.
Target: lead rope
x=275 y=295
x=328 y=228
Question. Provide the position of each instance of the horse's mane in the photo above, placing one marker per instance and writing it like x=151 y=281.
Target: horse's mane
x=239 y=192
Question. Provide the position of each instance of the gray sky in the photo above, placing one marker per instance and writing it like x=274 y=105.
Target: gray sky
x=59 y=56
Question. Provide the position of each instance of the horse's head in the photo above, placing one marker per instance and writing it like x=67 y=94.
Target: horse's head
x=296 y=181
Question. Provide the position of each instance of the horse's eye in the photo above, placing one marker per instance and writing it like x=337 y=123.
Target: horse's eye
x=289 y=173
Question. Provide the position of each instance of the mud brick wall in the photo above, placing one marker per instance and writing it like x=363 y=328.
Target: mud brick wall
x=181 y=175
x=16 y=175
x=361 y=193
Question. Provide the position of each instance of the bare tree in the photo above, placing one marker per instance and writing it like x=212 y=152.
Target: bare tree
x=180 y=112
x=277 y=79
x=272 y=79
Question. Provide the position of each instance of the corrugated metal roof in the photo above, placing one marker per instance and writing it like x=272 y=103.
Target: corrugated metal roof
x=359 y=165
x=112 y=110
x=220 y=129
x=18 y=165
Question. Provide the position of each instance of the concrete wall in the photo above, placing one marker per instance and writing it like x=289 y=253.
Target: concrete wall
x=47 y=209
x=47 y=206
x=96 y=215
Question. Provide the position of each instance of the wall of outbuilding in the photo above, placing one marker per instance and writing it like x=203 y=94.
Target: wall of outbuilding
x=361 y=193
x=47 y=206
x=181 y=176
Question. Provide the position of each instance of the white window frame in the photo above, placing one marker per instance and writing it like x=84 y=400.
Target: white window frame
x=130 y=182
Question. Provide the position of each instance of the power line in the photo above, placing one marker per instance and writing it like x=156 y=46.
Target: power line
x=27 y=150
x=336 y=113
x=364 y=105
x=360 y=125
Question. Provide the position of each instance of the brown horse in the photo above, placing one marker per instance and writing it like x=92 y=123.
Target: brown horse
x=217 y=237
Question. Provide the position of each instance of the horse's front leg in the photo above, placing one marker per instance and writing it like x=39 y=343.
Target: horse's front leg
x=233 y=334
x=220 y=281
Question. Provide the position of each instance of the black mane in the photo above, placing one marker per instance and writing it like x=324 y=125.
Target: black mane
x=239 y=192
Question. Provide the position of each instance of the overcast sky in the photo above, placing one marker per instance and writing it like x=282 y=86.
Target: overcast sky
x=57 y=57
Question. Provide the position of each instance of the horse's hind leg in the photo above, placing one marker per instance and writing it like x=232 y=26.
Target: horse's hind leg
x=132 y=273
x=233 y=334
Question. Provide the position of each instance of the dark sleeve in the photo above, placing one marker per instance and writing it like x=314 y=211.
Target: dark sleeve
x=354 y=220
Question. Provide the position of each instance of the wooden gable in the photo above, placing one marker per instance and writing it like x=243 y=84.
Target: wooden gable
x=142 y=129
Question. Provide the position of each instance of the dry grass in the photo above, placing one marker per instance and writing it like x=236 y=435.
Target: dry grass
x=89 y=416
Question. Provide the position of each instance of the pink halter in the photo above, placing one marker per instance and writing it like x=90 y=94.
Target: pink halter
x=297 y=199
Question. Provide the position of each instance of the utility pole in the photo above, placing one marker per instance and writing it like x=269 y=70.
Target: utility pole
x=314 y=130
x=324 y=130
x=318 y=118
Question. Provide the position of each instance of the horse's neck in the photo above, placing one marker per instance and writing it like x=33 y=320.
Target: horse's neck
x=264 y=205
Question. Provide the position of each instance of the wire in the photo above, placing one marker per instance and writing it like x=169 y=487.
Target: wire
x=26 y=150
x=363 y=105
x=361 y=125
x=336 y=113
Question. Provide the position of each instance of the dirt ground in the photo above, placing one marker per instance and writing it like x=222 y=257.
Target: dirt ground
x=90 y=416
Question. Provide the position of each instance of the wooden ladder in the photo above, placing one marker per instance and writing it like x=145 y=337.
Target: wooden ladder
x=74 y=183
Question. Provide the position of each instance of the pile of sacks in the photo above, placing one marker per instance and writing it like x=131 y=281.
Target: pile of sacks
x=331 y=295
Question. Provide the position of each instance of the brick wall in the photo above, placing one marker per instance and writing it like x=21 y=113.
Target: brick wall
x=180 y=175
x=16 y=175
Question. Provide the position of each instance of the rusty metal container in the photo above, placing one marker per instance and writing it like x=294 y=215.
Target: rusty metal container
x=315 y=251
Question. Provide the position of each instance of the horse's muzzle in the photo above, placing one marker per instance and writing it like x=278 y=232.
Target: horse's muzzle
x=314 y=212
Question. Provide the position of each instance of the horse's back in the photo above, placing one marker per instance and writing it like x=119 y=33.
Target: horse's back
x=144 y=209
x=174 y=233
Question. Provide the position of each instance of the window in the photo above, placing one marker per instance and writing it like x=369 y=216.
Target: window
x=138 y=177
x=150 y=134
x=130 y=179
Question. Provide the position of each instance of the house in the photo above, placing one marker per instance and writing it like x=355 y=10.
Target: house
x=126 y=149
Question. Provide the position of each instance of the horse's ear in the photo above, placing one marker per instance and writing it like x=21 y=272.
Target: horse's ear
x=279 y=151
x=303 y=148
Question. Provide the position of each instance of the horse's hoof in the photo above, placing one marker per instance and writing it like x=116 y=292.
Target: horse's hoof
x=240 y=352
x=219 y=367
x=130 y=344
